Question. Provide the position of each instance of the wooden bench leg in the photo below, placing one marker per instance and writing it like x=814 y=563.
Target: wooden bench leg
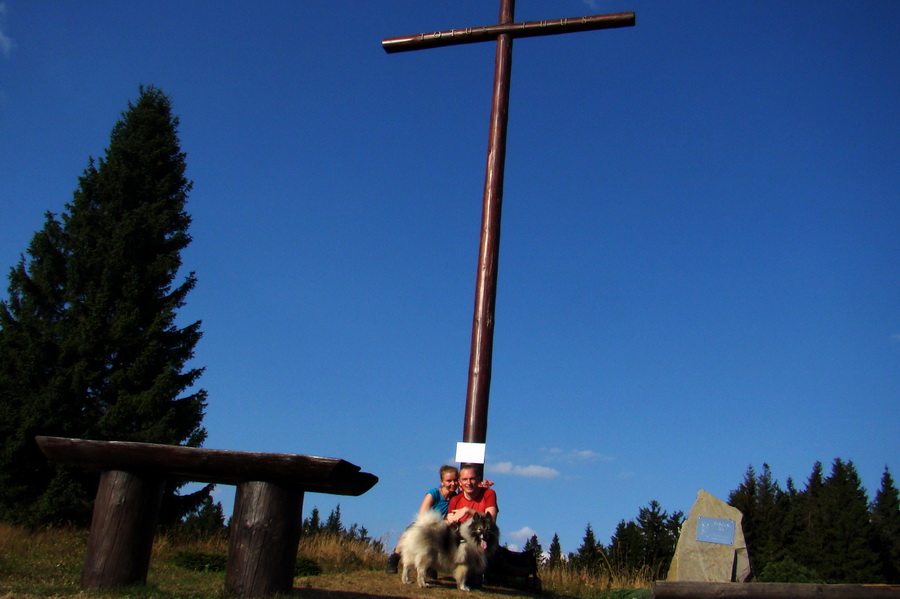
x=263 y=539
x=122 y=528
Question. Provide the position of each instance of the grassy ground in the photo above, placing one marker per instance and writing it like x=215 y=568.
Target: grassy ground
x=47 y=564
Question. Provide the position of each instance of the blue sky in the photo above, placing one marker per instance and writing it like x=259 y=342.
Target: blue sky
x=698 y=267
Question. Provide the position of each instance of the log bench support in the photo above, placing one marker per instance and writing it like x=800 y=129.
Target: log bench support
x=265 y=534
x=262 y=544
x=264 y=529
x=122 y=527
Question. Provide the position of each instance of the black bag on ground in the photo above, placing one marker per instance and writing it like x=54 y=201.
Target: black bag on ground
x=514 y=569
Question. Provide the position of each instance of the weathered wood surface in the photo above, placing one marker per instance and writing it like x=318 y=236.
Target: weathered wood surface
x=306 y=473
x=770 y=590
x=263 y=540
x=122 y=528
x=469 y=35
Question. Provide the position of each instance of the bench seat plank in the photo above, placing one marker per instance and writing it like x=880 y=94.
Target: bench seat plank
x=175 y=462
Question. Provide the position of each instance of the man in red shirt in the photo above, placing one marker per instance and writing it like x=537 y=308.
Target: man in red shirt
x=474 y=498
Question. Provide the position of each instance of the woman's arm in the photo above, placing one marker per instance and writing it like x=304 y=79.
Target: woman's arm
x=427 y=503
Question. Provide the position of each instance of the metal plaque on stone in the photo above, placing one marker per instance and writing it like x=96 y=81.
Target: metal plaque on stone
x=715 y=530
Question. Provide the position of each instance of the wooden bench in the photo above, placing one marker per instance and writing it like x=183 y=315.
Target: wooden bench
x=268 y=508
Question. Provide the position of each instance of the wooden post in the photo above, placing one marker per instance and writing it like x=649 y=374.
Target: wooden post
x=122 y=528
x=482 y=345
x=264 y=536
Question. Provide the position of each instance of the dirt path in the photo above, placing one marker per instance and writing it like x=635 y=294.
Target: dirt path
x=365 y=585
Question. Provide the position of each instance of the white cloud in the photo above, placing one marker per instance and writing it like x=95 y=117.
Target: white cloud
x=518 y=538
x=521 y=535
x=532 y=471
x=555 y=454
x=6 y=42
x=585 y=454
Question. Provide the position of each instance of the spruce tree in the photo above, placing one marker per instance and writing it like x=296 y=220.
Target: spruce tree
x=849 y=537
x=659 y=535
x=127 y=227
x=770 y=519
x=313 y=524
x=555 y=559
x=363 y=534
x=588 y=555
x=744 y=497
x=626 y=546
x=764 y=508
x=648 y=542
x=534 y=546
x=886 y=519
x=89 y=345
x=333 y=524
x=791 y=507
x=809 y=549
x=35 y=393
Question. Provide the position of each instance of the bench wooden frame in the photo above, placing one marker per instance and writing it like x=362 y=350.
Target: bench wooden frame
x=268 y=507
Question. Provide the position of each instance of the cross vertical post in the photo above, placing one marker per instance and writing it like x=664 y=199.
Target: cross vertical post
x=481 y=352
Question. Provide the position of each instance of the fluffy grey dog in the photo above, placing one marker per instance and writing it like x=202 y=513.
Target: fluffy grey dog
x=461 y=549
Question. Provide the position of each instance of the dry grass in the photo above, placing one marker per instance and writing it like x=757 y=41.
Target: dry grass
x=340 y=554
x=47 y=564
x=569 y=581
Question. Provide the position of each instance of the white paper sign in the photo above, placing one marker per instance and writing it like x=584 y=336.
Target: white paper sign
x=470 y=453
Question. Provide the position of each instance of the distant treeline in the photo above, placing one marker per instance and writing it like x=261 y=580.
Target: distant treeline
x=209 y=519
x=829 y=532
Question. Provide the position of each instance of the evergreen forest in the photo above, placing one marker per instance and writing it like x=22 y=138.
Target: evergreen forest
x=828 y=532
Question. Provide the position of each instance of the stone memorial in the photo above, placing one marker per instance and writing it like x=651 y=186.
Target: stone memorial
x=711 y=546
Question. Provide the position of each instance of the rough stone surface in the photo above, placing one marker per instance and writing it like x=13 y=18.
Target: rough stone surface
x=701 y=560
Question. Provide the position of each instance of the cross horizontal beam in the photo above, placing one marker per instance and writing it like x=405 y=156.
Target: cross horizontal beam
x=470 y=35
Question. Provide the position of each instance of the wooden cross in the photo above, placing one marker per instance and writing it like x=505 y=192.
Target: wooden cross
x=478 y=392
